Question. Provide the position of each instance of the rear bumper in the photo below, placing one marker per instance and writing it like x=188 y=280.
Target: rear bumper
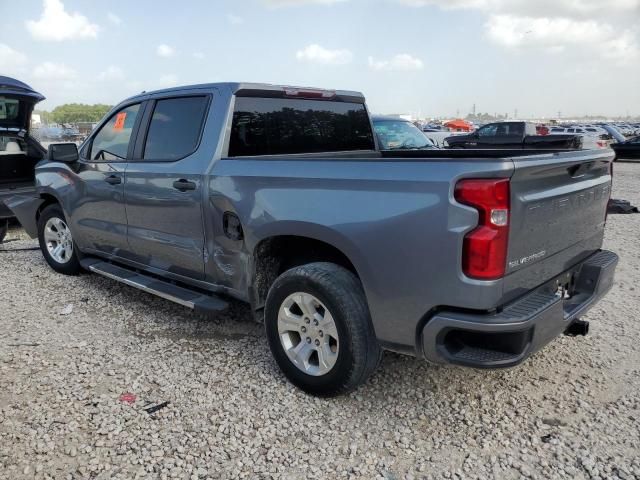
x=507 y=338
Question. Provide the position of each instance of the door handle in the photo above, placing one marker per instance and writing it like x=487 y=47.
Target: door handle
x=184 y=185
x=113 y=180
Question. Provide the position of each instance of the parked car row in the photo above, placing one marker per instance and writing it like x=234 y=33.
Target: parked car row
x=397 y=133
x=602 y=128
x=57 y=133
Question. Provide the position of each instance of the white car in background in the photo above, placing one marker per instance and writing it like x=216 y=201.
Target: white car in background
x=623 y=128
x=573 y=130
x=591 y=140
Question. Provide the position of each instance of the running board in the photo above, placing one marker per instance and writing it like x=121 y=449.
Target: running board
x=200 y=302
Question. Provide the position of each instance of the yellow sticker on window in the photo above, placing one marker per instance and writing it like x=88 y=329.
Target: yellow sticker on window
x=120 y=118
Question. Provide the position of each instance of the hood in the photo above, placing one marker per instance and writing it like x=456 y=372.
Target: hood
x=17 y=101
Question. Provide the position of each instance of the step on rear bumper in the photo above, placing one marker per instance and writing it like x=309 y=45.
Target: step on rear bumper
x=507 y=338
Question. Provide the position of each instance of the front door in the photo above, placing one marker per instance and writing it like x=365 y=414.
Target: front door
x=485 y=137
x=97 y=211
x=165 y=188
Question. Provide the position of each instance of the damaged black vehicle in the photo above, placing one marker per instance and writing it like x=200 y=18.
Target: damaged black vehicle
x=19 y=153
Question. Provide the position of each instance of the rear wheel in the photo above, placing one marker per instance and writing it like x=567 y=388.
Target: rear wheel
x=56 y=241
x=319 y=329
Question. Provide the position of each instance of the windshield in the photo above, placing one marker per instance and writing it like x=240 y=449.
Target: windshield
x=9 y=108
x=400 y=134
x=11 y=113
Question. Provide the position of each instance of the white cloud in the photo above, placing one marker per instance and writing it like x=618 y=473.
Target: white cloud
x=198 y=55
x=445 y=3
x=557 y=26
x=56 y=24
x=527 y=32
x=54 y=71
x=168 y=80
x=112 y=73
x=234 y=19
x=399 y=62
x=113 y=18
x=298 y=3
x=165 y=51
x=577 y=8
x=134 y=85
x=316 y=54
x=12 y=62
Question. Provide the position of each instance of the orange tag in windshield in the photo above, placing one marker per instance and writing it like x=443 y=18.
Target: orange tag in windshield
x=120 y=118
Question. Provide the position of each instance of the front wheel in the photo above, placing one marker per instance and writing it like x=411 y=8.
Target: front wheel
x=56 y=241
x=319 y=329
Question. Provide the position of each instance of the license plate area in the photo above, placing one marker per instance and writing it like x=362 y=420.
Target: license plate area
x=565 y=285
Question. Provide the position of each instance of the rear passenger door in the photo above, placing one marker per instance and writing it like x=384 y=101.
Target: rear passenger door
x=512 y=135
x=164 y=189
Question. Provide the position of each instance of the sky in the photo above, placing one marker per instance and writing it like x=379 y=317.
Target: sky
x=426 y=57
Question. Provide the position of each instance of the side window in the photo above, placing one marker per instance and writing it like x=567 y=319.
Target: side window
x=273 y=126
x=175 y=128
x=516 y=129
x=488 y=131
x=112 y=140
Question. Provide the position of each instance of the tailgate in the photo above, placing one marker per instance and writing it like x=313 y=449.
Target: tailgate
x=558 y=209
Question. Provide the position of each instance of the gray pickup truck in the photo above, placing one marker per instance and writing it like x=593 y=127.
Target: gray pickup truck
x=280 y=197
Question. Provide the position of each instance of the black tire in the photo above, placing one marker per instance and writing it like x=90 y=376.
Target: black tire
x=70 y=267
x=341 y=292
x=4 y=228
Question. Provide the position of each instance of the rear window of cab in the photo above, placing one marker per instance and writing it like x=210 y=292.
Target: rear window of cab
x=279 y=126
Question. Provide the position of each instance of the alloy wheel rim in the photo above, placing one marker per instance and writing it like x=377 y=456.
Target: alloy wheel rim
x=58 y=240
x=308 y=334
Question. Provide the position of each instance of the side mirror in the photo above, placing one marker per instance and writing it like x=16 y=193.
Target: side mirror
x=63 y=152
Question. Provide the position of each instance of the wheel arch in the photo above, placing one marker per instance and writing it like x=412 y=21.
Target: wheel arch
x=47 y=199
x=275 y=254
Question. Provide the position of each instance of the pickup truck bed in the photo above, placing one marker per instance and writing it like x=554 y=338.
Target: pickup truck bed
x=474 y=257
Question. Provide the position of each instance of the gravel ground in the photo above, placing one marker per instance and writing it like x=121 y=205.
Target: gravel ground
x=70 y=347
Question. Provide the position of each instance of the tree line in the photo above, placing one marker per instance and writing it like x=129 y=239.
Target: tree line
x=74 y=112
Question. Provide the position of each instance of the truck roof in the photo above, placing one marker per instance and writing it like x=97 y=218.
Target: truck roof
x=235 y=87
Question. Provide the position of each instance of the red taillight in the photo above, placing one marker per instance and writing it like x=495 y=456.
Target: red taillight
x=484 y=254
